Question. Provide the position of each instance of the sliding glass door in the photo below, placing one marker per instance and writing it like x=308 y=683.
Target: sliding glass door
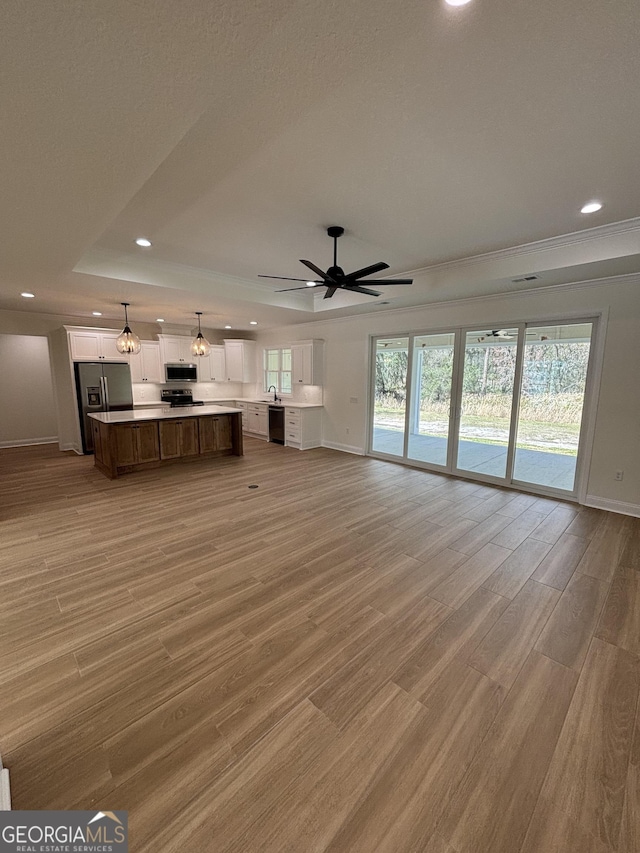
x=552 y=393
x=431 y=406
x=503 y=405
x=390 y=396
x=484 y=423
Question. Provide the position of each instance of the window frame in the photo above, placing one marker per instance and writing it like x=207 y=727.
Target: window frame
x=281 y=373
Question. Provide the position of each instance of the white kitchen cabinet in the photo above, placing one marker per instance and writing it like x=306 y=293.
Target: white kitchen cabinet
x=303 y=427
x=147 y=366
x=306 y=362
x=240 y=358
x=258 y=420
x=95 y=345
x=245 y=416
x=212 y=367
x=175 y=349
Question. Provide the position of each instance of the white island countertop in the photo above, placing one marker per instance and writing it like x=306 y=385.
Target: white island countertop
x=281 y=404
x=161 y=413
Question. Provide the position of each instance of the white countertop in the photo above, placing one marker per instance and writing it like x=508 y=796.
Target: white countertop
x=283 y=403
x=161 y=413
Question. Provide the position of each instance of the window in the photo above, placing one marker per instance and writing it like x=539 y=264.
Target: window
x=277 y=369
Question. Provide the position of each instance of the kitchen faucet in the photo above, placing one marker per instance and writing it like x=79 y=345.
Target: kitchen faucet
x=275 y=393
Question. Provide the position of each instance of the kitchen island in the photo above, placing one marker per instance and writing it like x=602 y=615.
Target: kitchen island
x=148 y=438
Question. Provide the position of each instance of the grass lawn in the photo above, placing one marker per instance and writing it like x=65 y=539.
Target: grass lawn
x=552 y=437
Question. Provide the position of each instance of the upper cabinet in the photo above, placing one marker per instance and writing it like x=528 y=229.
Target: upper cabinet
x=94 y=345
x=212 y=367
x=147 y=365
x=240 y=358
x=306 y=362
x=175 y=349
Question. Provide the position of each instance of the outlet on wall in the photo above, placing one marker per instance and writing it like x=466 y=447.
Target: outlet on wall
x=619 y=475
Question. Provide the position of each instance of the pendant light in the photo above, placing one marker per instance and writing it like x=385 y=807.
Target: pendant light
x=127 y=342
x=200 y=345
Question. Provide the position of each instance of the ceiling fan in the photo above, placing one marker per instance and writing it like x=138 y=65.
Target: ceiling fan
x=336 y=279
x=501 y=335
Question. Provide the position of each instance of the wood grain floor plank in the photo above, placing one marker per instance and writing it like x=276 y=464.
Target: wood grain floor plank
x=437 y=540
x=605 y=548
x=494 y=803
x=304 y=815
x=555 y=524
x=503 y=651
x=494 y=503
x=553 y=831
x=348 y=690
x=471 y=574
x=586 y=523
x=630 y=556
x=567 y=635
x=252 y=787
x=476 y=538
x=629 y=839
x=620 y=618
x=588 y=773
x=427 y=766
x=509 y=578
x=520 y=528
x=397 y=591
x=457 y=637
x=557 y=568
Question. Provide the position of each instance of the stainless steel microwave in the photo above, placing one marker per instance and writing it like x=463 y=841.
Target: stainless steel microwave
x=181 y=372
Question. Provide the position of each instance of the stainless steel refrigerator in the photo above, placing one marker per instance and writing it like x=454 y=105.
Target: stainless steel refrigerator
x=101 y=387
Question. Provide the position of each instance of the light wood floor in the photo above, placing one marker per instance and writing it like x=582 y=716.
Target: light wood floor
x=355 y=656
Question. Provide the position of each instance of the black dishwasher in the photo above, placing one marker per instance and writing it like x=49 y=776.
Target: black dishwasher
x=276 y=424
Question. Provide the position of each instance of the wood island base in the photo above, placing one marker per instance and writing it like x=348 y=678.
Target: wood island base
x=128 y=446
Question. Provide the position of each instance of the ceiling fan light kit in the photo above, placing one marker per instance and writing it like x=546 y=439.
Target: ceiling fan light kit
x=336 y=279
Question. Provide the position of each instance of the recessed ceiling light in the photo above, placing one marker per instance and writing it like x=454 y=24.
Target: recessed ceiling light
x=227 y=327
x=591 y=207
x=457 y=2
x=144 y=242
x=253 y=322
x=97 y=313
x=160 y=320
x=311 y=284
x=28 y=295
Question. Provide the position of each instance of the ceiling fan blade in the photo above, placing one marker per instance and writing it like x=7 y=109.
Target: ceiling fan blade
x=319 y=284
x=366 y=271
x=318 y=271
x=330 y=292
x=389 y=281
x=356 y=289
x=287 y=278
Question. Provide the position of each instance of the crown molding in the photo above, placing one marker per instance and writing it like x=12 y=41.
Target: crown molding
x=629 y=278
x=575 y=238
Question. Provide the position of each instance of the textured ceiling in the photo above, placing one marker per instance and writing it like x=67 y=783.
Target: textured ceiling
x=233 y=133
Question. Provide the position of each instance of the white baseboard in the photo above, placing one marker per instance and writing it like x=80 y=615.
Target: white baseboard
x=345 y=448
x=27 y=442
x=622 y=507
x=5 y=791
x=71 y=445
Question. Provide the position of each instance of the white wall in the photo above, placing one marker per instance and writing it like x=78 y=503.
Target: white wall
x=616 y=443
x=28 y=410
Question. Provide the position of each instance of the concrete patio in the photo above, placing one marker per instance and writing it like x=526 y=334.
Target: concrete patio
x=556 y=470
